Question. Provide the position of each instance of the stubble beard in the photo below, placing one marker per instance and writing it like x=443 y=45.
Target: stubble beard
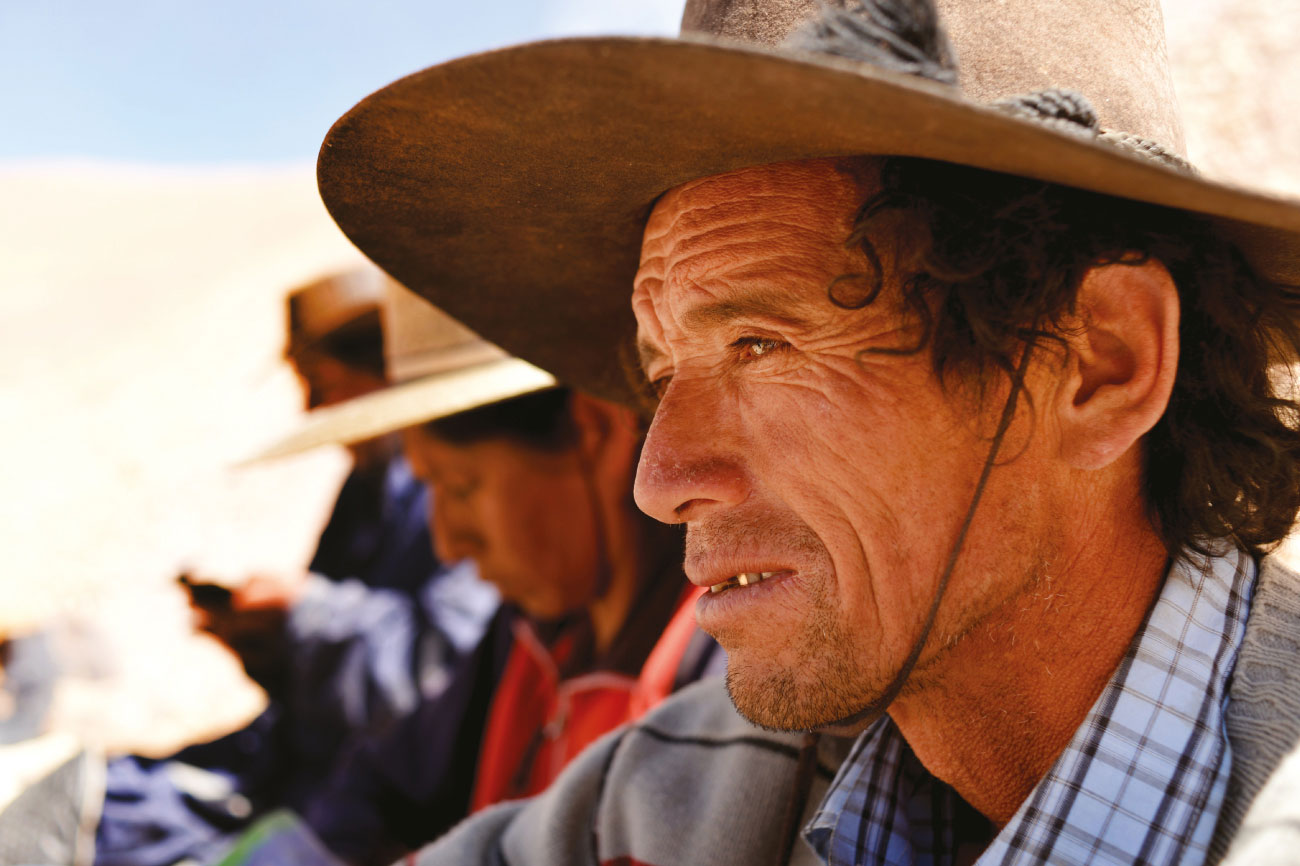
x=827 y=681
x=836 y=673
x=803 y=678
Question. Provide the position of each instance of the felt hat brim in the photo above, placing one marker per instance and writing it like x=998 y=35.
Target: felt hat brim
x=408 y=403
x=511 y=188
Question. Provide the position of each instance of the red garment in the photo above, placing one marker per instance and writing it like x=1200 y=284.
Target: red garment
x=538 y=723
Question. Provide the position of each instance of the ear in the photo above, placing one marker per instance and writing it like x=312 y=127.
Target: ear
x=1122 y=362
x=609 y=435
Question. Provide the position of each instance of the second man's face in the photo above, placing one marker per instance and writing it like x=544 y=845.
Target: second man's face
x=524 y=517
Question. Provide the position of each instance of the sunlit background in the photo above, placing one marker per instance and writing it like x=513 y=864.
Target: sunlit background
x=156 y=201
x=244 y=81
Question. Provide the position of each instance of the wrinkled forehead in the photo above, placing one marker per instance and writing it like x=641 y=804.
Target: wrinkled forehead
x=751 y=225
x=820 y=190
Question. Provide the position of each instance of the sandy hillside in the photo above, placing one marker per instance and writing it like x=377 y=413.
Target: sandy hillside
x=140 y=323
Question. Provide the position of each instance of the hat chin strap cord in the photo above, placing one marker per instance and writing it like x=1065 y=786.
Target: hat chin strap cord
x=879 y=705
x=804 y=770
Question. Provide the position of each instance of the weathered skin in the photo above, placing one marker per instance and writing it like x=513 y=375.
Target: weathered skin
x=786 y=446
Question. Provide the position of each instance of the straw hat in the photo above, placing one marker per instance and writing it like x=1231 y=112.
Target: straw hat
x=512 y=187
x=437 y=367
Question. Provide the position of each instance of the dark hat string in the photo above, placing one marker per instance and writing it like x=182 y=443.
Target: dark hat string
x=881 y=703
x=807 y=763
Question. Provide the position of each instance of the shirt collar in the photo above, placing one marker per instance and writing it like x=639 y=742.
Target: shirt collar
x=1141 y=780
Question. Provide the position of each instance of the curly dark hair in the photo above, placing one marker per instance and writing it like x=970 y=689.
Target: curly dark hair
x=992 y=269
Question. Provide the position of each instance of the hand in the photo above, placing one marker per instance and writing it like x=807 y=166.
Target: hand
x=250 y=620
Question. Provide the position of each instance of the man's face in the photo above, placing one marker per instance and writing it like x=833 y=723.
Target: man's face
x=791 y=449
x=523 y=516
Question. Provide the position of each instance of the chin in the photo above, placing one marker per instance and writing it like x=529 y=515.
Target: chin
x=545 y=608
x=814 y=695
x=540 y=612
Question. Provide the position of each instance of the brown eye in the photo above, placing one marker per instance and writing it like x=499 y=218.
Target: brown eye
x=753 y=348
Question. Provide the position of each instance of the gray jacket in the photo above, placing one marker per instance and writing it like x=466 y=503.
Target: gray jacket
x=694 y=783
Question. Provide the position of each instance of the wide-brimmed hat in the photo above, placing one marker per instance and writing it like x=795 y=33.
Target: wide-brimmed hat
x=437 y=367
x=346 y=301
x=512 y=187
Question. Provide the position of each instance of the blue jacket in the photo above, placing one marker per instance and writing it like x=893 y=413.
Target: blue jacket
x=361 y=653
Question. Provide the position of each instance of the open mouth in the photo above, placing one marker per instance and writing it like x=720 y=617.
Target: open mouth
x=746 y=578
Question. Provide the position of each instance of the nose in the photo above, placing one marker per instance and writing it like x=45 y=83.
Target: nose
x=690 y=466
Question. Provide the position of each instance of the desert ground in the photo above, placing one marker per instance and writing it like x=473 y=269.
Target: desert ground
x=140 y=327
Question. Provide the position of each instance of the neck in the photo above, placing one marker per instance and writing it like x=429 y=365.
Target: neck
x=611 y=609
x=990 y=714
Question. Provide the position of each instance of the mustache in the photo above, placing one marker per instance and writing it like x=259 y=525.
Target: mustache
x=739 y=535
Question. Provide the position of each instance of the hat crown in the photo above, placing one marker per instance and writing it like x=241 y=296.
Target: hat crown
x=323 y=306
x=1111 y=51
x=421 y=340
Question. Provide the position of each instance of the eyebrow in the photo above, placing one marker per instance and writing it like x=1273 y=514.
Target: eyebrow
x=770 y=305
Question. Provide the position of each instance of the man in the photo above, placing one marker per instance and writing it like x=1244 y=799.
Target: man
x=343 y=652
x=336 y=348
x=532 y=482
x=376 y=533
x=569 y=660
x=977 y=466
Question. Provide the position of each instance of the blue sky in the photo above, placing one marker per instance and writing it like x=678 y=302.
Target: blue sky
x=243 y=81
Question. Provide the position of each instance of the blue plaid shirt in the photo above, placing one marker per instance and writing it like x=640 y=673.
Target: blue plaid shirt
x=1141 y=781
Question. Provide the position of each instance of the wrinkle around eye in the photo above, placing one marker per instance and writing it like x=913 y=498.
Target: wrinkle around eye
x=748 y=351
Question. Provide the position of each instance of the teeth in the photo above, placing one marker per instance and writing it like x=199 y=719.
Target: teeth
x=745 y=578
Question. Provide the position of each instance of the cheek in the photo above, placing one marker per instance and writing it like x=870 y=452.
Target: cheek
x=830 y=434
x=543 y=528
x=454 y=525
x=868 y=459
x=510 y=522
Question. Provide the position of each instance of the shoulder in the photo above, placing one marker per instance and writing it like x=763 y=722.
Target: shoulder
x=1263 y=721
x=692 y=782
x=1270 y=831
x=709 y=787
x=698 y=729
x=1265 y=691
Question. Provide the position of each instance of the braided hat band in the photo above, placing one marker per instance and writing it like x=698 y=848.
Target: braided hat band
x=907 y=37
